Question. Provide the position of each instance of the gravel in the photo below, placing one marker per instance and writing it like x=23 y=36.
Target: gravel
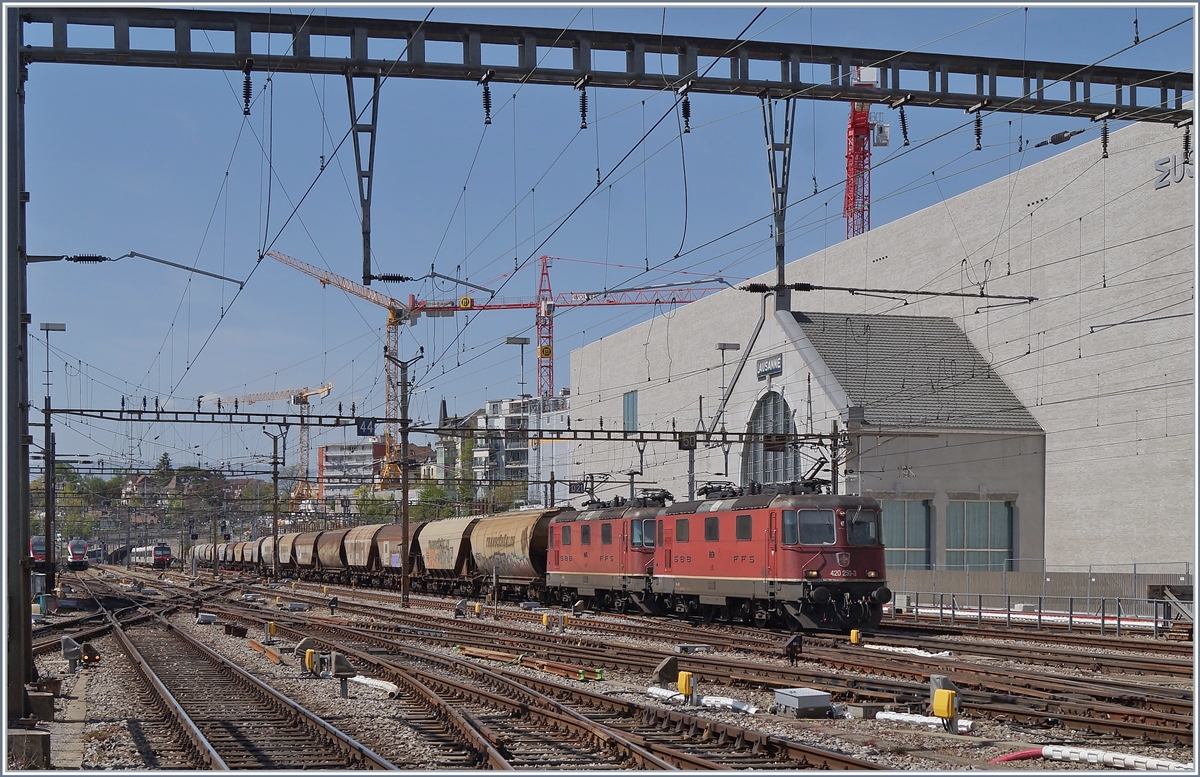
x=115 y=740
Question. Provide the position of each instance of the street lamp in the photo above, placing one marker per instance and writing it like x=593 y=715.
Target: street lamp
x=49 y=453
x=723 y=347
x=521 y=341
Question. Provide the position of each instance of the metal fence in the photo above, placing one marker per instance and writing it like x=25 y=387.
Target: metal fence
x=1116 y=597
x=1037 y=579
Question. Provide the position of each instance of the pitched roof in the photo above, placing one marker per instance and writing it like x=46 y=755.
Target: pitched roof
x=913 y=371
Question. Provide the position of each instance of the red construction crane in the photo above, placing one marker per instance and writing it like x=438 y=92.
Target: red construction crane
x=857 y=208
x=546 y=302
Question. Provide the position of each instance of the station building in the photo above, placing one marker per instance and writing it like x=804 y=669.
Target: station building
x=999 y=435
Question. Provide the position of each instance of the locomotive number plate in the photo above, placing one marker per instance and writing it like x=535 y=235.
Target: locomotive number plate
x=843 y=573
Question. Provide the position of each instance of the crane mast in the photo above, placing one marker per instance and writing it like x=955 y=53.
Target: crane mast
x=299 y=397
x=857 y=207
x=398 y=313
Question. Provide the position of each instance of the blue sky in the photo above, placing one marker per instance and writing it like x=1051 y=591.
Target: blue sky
x=163 y=162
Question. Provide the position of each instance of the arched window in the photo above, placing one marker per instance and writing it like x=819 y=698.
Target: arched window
x=771 y=416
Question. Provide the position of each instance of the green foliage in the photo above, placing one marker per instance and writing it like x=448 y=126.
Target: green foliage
x=433 y=502
x=370 y=506
x=163 y=471
x=466 y=477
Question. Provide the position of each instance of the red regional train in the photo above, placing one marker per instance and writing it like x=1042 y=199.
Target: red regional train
x=77 y=554
x=37 y=552
x=797 y=560
x=155 y=556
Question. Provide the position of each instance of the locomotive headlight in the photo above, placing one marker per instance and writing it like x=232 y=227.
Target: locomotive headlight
x=811 y=574
x=872 y=573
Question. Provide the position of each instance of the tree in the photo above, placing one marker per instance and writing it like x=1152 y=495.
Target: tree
x=466 y=476
x=370 y=506
x=163 y=471
x=432 y=502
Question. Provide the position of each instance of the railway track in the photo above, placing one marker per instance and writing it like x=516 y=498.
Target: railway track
x=1101 y=705
x=229 y=718
x=672 y=737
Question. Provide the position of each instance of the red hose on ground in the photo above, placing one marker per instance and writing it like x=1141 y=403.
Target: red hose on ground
x=1020 y=755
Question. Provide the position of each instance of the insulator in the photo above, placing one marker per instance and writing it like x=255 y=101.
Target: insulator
x=122 y=404
x=583 y=108
x=814 y=184
x=687 y=115
x=1187 y=144
x=903 y=125
x=1104 y=139
x=87 y=258
x=235 y=404
x=322 y=162
x=487 y=104
x=198 y=399
x=143 y=401
x=247 y=92
x=218 y=404
x=978 y=131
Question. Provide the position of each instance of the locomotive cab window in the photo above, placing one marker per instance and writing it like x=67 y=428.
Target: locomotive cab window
x=862 y=527
x=712 y=528
x=585 y=535
x=635 y=534
x=791 y=528
x=817 y=527
x=550 y=538
x=682 y=531
x=742 y=527
x=648 y=534
x=606 y=534
x=566 y=535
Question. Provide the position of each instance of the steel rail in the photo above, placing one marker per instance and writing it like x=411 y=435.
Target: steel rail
x=1171 y=726
x=681 y=758
x=549 y=708
x=519 y=684
x=205 y=750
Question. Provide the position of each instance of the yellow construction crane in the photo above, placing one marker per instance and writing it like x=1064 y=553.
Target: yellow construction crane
x=398 y=313
x=299 y=397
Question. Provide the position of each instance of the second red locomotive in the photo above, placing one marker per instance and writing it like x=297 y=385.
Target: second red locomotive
x=811 y=561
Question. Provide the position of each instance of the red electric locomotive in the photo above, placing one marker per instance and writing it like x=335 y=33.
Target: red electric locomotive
x=605 y=554
x=806 y=560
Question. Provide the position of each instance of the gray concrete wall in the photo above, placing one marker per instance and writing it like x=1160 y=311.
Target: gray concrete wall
x=1104 y=359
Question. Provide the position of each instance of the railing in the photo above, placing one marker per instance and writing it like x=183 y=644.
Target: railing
x=1033 y=577
x=1116 y=615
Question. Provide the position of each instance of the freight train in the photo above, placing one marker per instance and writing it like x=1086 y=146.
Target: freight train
x=796 y=560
